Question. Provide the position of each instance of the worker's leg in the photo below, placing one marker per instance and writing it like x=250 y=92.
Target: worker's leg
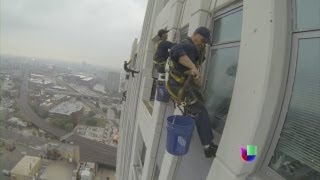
x=202 y=121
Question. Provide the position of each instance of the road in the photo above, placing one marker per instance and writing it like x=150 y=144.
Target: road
x=90 y=151
x=32 y=116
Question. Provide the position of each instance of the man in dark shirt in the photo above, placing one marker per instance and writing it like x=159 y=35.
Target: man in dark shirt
x=127 y=69
x=187 y=57
x=162 y=51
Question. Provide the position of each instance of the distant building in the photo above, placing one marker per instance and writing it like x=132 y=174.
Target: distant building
x=68 y=110
x=6 y=113
x=90 y=132
x=26 y=169
x=113 y=81
x=81 y=80
x=66 y=151
x=86 y=171
x=16 y=122
x=122 y=83
x=61 y=88
x=8 y=89
x=51 y=102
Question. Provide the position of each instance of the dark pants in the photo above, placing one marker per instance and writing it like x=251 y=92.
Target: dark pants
x=202 y=121
x=198 y=112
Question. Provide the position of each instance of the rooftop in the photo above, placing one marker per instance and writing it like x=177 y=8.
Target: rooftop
x=92 y=151
x=59 y=87
x=87 y=79
x=67 y=108
x=25 y=165
x=40 y=81
x=37 y=75
x=57 y=97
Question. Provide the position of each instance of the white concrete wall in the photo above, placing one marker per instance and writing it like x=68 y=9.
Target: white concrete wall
x=258 y=88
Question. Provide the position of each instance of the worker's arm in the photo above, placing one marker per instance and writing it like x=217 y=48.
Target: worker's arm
x=186 y=61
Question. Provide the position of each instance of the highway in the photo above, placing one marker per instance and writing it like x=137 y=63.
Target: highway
x=32 y=116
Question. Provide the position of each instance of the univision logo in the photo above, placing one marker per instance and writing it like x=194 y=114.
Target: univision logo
x=248 y=154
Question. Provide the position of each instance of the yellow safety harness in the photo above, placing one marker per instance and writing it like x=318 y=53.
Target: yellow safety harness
x=155 y=60
x=185 y=80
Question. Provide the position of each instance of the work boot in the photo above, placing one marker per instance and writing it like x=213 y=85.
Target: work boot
x=211 y=150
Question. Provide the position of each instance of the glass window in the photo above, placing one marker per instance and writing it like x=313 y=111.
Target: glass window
x=297 y=155
x=184 y=33
x=228 y=28
x=219 y=87
x=308 y=14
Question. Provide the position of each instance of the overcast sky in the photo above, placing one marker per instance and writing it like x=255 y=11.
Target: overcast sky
x=96 y=31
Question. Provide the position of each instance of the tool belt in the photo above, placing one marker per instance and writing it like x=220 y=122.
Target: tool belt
x=181 y=88
x=159 y=61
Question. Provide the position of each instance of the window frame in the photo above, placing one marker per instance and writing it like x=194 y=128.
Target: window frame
x=184 y=28
x=294 y=35
x=286 y=101
x=227 y=44
x=224 y=12
x=294 y=26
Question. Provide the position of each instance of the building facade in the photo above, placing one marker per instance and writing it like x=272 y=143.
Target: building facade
x=26 y=169
x=261 y=84
x=113 y=81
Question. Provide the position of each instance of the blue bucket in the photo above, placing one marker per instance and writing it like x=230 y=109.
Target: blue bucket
x=162 y=93
x=179 y=133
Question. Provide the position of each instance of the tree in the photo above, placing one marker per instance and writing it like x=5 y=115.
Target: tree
x=68 y=126
x=105 y=109
x=92 y=122
x=91 y=113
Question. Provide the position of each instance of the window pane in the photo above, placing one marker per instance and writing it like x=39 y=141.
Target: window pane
x=184 y=33
x=220 y=83
x=228 y=28
x=297 y=155
x=308 y=14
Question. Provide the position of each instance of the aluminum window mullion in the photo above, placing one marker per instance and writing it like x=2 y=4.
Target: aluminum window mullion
x=237 y=9
x=284 y=109
x=226 y=45
x=216 y=47
x=286 y=103
x=227 y=11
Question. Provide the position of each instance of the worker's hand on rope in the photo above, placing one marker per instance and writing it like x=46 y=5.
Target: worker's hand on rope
x=195 y=73
x=198 y=81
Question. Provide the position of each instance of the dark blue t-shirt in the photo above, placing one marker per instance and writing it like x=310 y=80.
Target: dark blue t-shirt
x=185 y=47
x=162 y=51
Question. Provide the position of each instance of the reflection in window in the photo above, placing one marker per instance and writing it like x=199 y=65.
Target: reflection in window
x=184 y=33
x=228 y=28
x=297 y=155
x=308 y=14
x=220 y=84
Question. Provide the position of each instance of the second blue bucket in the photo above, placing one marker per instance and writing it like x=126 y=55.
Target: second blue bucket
x=179 y=133
x=162 y=93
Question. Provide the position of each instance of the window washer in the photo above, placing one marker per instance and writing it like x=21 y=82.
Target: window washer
x=161 y=55
x=127 y=69
x=185 y=81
